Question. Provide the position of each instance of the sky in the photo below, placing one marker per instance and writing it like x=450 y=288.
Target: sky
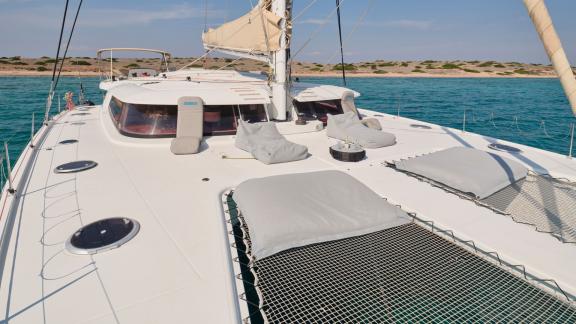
x=372 y=29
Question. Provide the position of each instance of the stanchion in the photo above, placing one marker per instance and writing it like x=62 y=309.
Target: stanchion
x=571 y=140
x=32 y=132
x=9 y=167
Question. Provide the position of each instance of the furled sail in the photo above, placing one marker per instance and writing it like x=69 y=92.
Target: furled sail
x=256 y=33
x=541 y=19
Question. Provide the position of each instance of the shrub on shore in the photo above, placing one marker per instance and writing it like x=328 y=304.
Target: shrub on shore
x=523 y=71
x=486 y=64
x=450 y=66
x=81 y=63
x=41 y=69
x=347 y=67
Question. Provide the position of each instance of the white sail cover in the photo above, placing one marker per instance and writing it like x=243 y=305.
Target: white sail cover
x=257 y=32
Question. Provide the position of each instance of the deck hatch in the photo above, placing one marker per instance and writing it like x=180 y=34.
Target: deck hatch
x=102 y=235
x=420 y=126
x=402 y=274
x=69 y=141
x=76 y=166
x=504 y=148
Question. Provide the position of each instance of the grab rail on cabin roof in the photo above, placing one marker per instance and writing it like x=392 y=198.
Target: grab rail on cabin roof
x=165 y=57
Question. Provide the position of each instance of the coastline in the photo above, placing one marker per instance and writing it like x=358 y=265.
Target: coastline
x=21 y=73
x=423 y=75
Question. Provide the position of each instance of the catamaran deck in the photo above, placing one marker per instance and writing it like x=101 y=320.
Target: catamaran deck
x=178 y=266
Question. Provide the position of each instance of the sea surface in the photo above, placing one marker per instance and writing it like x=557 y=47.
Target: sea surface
x=534 y=112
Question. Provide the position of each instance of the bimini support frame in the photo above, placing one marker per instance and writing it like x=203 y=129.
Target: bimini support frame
x=545 y=28
x=165 y=56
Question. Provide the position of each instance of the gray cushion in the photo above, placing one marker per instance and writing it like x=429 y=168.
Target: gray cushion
x=371 y=123
x=267 y=144
x=294 y=210
x=467 y=170
x=347 y=127
x=185 y=145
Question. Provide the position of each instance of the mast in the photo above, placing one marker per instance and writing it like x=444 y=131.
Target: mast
x=281 y=8
x=545 y=28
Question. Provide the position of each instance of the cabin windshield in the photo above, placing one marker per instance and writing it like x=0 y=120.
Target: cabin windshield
x=153 y=121
x=318 y=110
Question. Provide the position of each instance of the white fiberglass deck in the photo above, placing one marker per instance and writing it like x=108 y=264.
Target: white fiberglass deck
x=178 y=268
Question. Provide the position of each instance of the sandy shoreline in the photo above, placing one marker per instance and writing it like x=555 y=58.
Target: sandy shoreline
x=422 y=75
x=5 y=73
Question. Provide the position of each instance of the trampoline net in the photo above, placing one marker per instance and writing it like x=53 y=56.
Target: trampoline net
x=547 y=203
x=406 y=273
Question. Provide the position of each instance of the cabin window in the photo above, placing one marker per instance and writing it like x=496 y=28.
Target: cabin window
x=150 y=120
x=161 y=120
x=116 y=107
x=253 y=113
x=223 y=120
x=318 y=110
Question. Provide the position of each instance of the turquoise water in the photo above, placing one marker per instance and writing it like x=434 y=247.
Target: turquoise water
x=534 y=112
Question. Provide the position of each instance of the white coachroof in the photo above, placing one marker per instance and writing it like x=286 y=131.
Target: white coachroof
x=168 y=93
x=215 y=87
x=306 y=92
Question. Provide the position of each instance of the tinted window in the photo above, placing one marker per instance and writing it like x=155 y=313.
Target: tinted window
x=220 y=120
x=318 y=109
x=116 y=109
x=161 y=120
x=253 y=113
x=150 y=120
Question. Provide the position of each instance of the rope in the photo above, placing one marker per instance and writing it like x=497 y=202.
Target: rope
x=304 y=10
x=341 y=45
x=68 y=43
x=227 y=65
x=51 y=92
x=214 y=48
x=60 y=41
x=353 y=30
x=322 y=25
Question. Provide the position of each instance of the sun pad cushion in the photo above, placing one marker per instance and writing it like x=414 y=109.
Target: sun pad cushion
x=467 y=170
x=289 y=211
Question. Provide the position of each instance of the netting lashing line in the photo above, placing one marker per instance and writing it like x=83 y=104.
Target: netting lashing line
x=413 y=272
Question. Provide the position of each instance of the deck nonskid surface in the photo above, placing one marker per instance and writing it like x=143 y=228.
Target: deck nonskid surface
x=178 y=266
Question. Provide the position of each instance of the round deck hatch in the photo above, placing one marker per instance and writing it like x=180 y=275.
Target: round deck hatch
x=504 y=148
x=75 y=166
x=67 y=142
x=420 y=126
x=103 y=235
